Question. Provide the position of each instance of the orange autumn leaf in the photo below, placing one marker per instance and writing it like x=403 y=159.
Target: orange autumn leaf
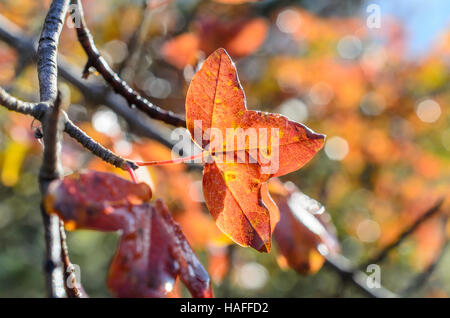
x=305 y=233
x=181 y=50
x=249 y=38
x=234 y=192
x=152 y=250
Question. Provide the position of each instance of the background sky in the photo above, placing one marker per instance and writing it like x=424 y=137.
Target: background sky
x=423 y=20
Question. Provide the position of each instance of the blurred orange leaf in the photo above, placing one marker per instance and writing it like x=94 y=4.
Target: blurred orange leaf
x=240 y=38
x=181 y=50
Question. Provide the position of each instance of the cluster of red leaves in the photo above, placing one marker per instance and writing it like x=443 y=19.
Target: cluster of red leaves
x=152 y=251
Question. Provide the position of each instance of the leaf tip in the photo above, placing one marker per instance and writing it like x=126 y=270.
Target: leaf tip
x=266 y=247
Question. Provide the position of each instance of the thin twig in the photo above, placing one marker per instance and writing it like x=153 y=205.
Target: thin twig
x=16 y=105
x=70 y=280
x=135 y=42
x=37 y=110
x=120 y=86
x=385 y=251
x=51 y=162
x=348 y=273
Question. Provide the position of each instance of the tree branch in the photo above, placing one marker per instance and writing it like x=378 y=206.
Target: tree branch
x=16 y=105
x=120 y=86
x=50 y=170
x=51 y=163
x=48 y=50
x=74 y=289
x=37 y=110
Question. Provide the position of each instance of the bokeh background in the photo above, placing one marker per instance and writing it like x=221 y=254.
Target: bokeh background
x=379 y=92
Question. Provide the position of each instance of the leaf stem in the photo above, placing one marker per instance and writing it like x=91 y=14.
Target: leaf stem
x=176 y=160
x=132 y=174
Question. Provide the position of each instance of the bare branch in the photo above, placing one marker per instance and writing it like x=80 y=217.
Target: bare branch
x=50 y=170
x=37 y=110
x=120 y=86
x=14 y=104
x=385 y=251
x=103 y=153
x=47 y=74
x=47 y=50
x=51 y=164
x=135 y=42
x=72 y=289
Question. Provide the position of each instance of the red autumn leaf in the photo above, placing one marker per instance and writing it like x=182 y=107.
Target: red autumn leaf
x=234 y=191
x=152 y=251
x=305 y=233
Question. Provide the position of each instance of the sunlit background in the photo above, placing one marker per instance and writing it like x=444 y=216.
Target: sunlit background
x=379 y=90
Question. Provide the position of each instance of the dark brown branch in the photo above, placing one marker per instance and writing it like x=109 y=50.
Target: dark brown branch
x=342 y=267
x=51 y=163
x=16 y=105
x=94 y=147
x=50 y=170
x=37 y=110
x=120 y=86
x=47 y=50
x=385 y=251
